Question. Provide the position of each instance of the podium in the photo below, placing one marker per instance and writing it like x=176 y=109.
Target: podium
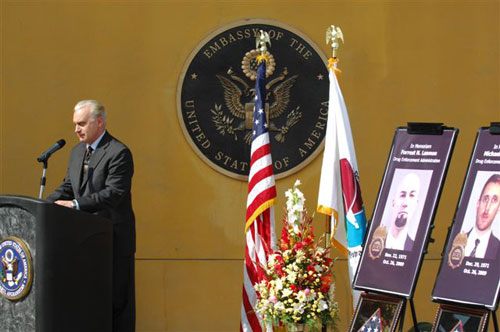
x=71 y=254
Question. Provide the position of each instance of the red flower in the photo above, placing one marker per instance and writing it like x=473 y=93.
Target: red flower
x=325 y=288
x=298 y=245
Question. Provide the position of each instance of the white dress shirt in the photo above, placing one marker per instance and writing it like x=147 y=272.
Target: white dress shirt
x=398 y=242
x=481 y=247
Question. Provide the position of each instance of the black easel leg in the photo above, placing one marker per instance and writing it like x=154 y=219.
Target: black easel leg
x=414 y=315
x=495 y=322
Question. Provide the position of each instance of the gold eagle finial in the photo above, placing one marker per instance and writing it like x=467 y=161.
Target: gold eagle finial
x=261 y=42
x=333 y=35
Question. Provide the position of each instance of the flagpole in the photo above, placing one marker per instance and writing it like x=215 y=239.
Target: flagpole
x=259 y=225
x=333 y=35
x=328 y=230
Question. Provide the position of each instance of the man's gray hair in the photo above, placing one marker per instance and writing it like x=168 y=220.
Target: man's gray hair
x=96 y=108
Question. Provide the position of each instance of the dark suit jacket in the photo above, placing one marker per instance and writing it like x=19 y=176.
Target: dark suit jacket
x=492 y=249
x=408 y=243
x=105 y=190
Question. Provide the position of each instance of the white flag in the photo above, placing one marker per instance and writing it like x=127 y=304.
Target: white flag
x=339 y=191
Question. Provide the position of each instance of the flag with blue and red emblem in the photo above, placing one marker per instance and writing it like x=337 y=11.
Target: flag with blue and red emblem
x=373 y=324
x=339 y=190
x=259 y=227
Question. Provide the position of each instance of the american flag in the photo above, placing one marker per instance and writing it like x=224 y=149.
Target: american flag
x=373 y=324
x=259 y=228
x=458 y=328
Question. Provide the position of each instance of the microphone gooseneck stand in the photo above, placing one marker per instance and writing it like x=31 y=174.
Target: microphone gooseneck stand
x=44 y=157
x=43 y=180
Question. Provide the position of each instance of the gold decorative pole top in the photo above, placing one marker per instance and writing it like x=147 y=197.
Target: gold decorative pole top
x=333 y=36
x=261 y=42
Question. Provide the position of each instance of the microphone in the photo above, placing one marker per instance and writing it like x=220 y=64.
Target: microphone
x=46 y=155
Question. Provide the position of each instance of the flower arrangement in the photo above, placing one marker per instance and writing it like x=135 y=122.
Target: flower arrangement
x=297 y=288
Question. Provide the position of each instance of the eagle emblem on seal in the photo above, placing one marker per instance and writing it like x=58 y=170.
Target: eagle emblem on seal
x=239 y=96
x=10 y=274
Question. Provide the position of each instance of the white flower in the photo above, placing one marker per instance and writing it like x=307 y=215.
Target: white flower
x=292 y=276
x=318 y=268
x=300 y=196
x=264 y=303
x=286 y=254
x=300 y=256
x=272 y=260
x=322 y=305
x=301 y=296
x=279 y=306
x=286 y=292
x=292 y=218
x=261 y=288
x=278 y=284
x=295 y=208
x=298 y=308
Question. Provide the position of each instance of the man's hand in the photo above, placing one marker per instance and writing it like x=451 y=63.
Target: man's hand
x=68 y=204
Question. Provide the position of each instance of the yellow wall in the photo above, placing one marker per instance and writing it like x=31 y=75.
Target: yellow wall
x=433 y=61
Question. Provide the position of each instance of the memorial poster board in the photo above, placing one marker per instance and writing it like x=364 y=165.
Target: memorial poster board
x=470 y=267
x=404 y=212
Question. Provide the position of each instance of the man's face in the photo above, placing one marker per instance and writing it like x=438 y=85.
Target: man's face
x=406 y=200
x=86 y=128
x=487 y=206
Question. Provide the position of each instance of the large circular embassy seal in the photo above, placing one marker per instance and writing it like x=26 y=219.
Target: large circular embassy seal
x=16 y=274
x=217 y=87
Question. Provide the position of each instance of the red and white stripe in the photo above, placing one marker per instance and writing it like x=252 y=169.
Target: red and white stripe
x=260 y=233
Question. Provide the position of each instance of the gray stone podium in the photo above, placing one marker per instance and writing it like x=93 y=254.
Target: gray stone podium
x=72 y=261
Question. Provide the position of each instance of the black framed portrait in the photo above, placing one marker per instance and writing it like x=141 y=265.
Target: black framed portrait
x=470 y=268
x=404 y=212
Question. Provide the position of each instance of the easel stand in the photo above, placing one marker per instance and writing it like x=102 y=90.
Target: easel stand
x=413 y=315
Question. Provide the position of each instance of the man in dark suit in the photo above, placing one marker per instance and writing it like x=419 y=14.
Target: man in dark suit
x=481 y=243
x=99 y=180
x=403 y=207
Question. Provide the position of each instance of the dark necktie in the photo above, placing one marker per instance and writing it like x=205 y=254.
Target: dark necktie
x=473 y=253
x=86 y=159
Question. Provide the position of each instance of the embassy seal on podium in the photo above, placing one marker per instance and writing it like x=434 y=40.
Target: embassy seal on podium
x=16 y=275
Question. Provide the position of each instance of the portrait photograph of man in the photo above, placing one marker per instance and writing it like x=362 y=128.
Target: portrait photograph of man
x=403 y=208
x=481 y=218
